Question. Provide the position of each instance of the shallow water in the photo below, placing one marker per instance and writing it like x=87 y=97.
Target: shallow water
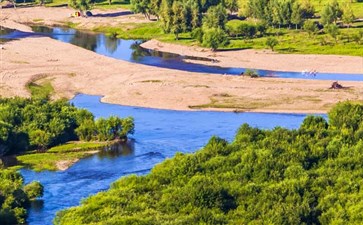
x=130 y=50
x=159 y=135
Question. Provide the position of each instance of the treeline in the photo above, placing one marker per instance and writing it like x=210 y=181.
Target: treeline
x=15 y=197
x=311 y=175
x=27 y=124
x=207 y=19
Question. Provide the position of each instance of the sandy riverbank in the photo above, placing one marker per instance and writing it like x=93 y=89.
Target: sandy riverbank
x=266 y=59
x=125 y=83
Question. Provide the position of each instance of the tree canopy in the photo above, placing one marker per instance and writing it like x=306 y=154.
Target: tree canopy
x=27 y=124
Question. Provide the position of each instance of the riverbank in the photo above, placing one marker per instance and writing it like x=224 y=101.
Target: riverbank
x=60 y=157
x=265 y=59
x=72 y=70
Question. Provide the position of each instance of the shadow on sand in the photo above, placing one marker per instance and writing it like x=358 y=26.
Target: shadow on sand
x=124 y=13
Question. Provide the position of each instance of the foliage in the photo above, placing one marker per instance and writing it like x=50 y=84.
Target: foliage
x=27 y=124
x=330 y=13
x=81 y=5
x=310 y=27
x=34 y=190
x=271 y=42
x=311 y=175
x=214 y=37
x=14 y=198
x=251 y=73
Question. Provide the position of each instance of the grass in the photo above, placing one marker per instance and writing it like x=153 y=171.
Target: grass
x=77 y=147
x=116 y=4
x=70 y=152
x=40 y=90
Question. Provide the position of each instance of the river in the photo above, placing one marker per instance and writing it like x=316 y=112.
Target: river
x=131 y=51
x=159 y=135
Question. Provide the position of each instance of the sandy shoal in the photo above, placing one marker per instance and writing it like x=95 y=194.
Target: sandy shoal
x=265 y=59
x=73 y=70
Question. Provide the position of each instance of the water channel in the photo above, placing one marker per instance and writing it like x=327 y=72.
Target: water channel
x=131 y=51
x=159 y=135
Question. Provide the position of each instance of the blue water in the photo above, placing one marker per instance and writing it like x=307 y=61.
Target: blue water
x=159 y=135
x=130 y=50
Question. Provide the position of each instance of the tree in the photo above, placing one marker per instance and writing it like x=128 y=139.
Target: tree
x=297 y=15
x=166 y=16
x=307 y=9
x=214 y=37
x=348 y=15
x=332 y=30
x=310 y=27
x=271 y=42
x=141 y=6
x=178 y=20
x=86 y=130
x=81 y=5
x=232 y=5
x=330 y=13
x=34 y=190
x=216 y=17
x=40 y=139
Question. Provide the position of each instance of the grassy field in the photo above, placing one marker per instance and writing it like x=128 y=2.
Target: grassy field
x=69 y=152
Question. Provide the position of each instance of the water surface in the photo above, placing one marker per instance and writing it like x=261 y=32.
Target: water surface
x=131 y=51
x=159 y=135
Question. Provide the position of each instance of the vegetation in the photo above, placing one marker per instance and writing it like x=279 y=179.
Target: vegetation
x=27 y=124
x=311 y=175
x=67 y=153
x=15 y=197
x=178 y=17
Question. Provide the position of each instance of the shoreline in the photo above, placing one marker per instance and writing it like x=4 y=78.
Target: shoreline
x=125 y=83
x=250 y=58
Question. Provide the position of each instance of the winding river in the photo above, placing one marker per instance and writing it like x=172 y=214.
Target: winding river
x=159 y=135
x=131 y=51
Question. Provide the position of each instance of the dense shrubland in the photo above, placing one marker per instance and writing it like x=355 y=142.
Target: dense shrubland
x=311 y=175
x=38 y=123
x=15 y=197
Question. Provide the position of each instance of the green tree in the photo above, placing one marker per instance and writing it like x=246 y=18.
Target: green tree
x=330 y=13
x=332 y=30
x=166 y=16
x=297 y=15
x=34 y=190
x=216 y=17
x=178 y=20
x=39 y=138
x=141 y=6
x=310 y=27
x=348 y=15
x=231 y=5
x=271 y=42
x=214 y=38
x=81 y=5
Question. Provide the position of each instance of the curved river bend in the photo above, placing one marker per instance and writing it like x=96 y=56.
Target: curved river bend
x=159 y=135
x=130 y=50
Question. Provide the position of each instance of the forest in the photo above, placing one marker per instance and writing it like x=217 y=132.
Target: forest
x=309 y=175
x=38 y=124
